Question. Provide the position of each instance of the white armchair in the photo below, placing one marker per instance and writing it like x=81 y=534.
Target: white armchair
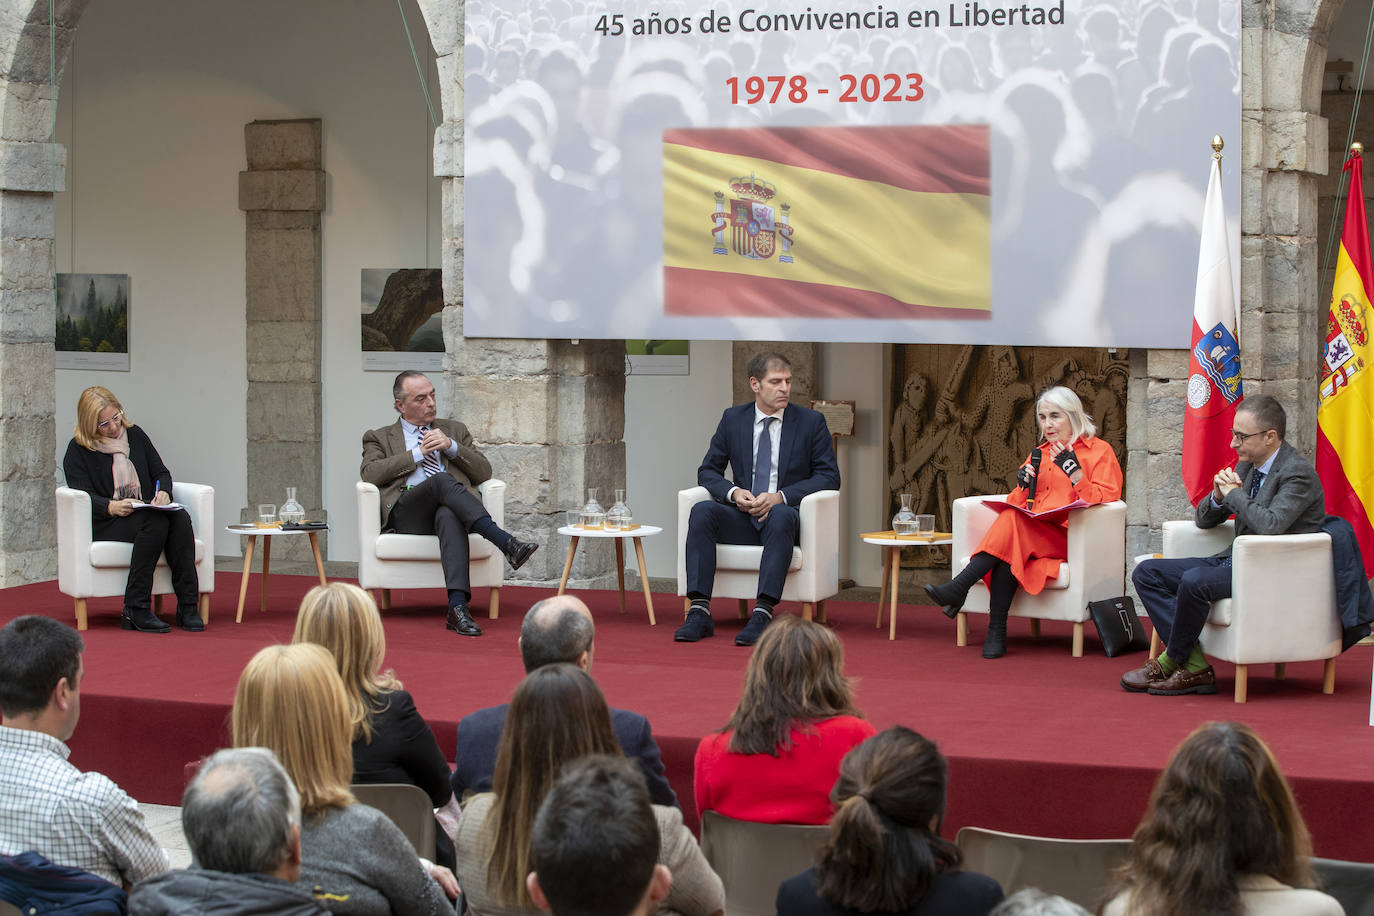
x=87 y=568
x=1283 y=600
x=387 y=561
x=1094 y=569
x=813 y=575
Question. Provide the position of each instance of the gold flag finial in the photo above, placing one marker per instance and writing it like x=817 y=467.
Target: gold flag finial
x=1217 y=144
x=1357 y=148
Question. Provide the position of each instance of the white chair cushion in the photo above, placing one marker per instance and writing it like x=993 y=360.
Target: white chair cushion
x=117 y=554
x=425 y=547
x=740 y=556
x=1221 y=613
x=1060 y=581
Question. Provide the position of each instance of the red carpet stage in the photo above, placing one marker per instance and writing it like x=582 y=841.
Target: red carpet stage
x=1039 y=742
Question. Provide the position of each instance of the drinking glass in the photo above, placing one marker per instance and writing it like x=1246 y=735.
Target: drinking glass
x=267 y=514
x=925 y=526
x=574 y=517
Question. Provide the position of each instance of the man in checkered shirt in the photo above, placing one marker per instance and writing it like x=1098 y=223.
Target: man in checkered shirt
x=82 y=820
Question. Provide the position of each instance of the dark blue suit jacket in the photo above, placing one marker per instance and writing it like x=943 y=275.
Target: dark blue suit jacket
x=479 y=734
x=806 y=454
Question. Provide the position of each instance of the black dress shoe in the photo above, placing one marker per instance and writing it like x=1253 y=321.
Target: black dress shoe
x=461 y=622
x=518 y=551
x=758 y=622
x=696 y=627
x=143 y=620
x=188 y=618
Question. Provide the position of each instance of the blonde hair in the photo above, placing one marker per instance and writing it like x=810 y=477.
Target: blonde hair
x=88 y=407
x=343 y=618
x=290 y=700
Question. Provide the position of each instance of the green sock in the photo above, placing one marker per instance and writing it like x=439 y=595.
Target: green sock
x=1197 y=661
x=1167 y=663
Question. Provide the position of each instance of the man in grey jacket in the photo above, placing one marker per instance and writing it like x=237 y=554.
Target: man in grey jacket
x=1272 y=490
x=242 y=819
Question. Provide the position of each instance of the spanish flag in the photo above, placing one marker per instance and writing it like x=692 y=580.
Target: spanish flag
x=827 y=222
x=1345 y=415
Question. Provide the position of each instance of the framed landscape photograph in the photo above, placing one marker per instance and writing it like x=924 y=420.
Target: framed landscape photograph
x=93 y=321
x=401 y=324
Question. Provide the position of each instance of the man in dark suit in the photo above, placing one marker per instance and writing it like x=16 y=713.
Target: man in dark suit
x=779 y=453
x=426 y=470
x=1273 y=490
x=557 y=629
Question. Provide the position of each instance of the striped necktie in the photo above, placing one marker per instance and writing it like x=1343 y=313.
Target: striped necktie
x=431 y=464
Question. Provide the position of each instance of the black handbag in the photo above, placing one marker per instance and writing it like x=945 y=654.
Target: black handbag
x=1118 y=627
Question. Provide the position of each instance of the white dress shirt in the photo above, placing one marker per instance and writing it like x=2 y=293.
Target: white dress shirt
x=81 y=820
x=413 y=437
x=775 y=436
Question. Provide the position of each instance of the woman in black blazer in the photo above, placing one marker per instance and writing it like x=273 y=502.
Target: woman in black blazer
x=885 y=853
x=391 y=742
x=115 y=462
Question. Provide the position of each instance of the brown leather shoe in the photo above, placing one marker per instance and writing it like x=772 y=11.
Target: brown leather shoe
x=1184 y=681
x=1140 y=680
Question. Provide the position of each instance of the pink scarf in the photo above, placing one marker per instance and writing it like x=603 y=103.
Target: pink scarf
x=126 y=485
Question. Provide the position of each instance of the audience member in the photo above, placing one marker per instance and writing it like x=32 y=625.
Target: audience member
x=557 y=716
x=558 y=629
x=242 y=819
x=1222 y=836
x=81 y=820
x=594 y=845
x=885 y=853
x=1272 y=490
x=391 y=742
x=426 y=470
x=773 y=471
x=1031 y=901
x=778 y=756
x=353 y=858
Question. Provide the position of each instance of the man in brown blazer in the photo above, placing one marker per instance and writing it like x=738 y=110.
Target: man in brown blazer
x=426 y=469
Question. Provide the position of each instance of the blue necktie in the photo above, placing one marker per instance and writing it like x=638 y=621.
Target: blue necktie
x=1255 y=480
x=430 y=464
x=763 y=459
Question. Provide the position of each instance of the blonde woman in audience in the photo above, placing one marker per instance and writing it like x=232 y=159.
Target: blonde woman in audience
x=391 y=742
x=777 y=758
x=353 y=858
x=557 y=716
x=1222 y=837
x=885 y=853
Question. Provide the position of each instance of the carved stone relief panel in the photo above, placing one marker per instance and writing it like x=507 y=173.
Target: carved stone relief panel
x=963 y=418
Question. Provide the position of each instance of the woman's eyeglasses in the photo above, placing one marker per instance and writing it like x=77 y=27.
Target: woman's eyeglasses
x=117 y=418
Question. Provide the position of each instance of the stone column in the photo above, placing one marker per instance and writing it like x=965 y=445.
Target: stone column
x=1282 y=154
x=29 y=174
x=282 y=193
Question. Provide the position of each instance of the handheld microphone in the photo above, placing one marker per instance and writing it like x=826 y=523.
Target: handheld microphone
x=1030 y=490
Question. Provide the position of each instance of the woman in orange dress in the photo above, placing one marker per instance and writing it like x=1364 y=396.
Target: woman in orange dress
x=1020 y=551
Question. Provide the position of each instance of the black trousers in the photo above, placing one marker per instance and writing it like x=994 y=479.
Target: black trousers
x=442 y=506
x=154 y=532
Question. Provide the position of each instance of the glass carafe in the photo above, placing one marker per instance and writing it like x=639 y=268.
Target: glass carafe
x=291 y=512
x=619 y=517
x=593 y=516
x=904 y=522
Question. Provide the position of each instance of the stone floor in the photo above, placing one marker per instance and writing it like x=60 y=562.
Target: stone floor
x=165 y=823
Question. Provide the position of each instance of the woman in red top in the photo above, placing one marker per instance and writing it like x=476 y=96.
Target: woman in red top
x=778 y=756
x=1020 y=551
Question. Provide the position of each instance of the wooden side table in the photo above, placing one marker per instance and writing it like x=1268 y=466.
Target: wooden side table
x=253 y=532
x=635 y=534
x=892 y=552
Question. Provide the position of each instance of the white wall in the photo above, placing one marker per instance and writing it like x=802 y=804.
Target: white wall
x=670 y=419
x=153 y=106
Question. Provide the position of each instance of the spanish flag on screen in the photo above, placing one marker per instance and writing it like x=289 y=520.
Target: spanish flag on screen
x=827 y=222
x=1345 y=414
